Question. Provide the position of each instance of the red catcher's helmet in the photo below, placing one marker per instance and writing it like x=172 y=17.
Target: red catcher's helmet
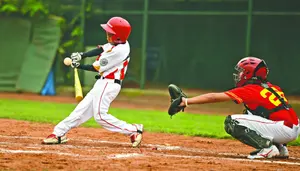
x=250 y=70
x=119 y=27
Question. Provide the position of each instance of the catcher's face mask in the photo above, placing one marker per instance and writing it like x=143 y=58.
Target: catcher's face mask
x=238 y=75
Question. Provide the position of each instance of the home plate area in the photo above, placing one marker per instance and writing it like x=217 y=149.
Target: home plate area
x=98 y=149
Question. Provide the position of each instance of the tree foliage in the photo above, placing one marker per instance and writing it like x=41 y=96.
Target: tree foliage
x=30 y=8
x=68 y=19
x=41 y=9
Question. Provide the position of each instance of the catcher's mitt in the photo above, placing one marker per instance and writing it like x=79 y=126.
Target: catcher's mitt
x=176 y=98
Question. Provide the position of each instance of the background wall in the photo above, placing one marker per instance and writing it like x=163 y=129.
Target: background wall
x=196 y=44
x=27 y=52
x=192 y=43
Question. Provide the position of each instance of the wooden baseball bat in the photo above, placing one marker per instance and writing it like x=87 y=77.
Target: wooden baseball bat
x=77 y=85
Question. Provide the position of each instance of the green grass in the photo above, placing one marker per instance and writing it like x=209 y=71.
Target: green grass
x=154 y=121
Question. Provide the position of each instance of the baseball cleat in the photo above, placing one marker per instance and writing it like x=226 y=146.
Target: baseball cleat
x=265 y=153
x=53 y=139
x=136 y=138
x=283 y=152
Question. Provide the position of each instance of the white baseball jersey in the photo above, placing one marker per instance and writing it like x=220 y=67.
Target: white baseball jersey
x=113 y=62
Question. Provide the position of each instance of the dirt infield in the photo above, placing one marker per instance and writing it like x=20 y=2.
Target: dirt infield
x=98 y=149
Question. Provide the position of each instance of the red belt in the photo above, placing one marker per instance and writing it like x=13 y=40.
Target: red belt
x=115 y=80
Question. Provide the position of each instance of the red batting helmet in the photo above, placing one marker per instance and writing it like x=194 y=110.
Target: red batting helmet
x=250 y=69
x=119 y=27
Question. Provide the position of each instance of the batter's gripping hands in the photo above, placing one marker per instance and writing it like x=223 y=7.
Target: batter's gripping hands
x=75 y=64
x=76 y=57
x=176 y=98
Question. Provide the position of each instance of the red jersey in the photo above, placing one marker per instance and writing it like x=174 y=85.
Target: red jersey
x=253 y=96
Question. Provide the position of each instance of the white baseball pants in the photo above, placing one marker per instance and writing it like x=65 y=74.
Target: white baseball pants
x=96 y=103
x=273 y=130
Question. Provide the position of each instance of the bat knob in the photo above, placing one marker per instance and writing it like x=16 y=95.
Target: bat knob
x=97 y=77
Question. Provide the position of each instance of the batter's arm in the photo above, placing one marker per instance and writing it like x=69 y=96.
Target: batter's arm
x=87 y=68
x=77 y=56
x=206 y=98
x=91 y=53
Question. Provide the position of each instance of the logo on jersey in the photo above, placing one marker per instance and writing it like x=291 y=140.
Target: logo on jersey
x=103 y=62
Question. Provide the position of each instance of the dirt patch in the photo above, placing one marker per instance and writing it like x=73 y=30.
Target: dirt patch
x=98 y=149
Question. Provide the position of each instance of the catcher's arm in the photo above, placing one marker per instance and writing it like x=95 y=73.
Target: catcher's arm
x=205 y=98
x=179 y=100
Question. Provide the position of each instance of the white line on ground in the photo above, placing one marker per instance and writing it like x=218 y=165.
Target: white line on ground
x=126 y=155
x=161 y=147
x=19 y=137
x=37 y=152
x=39 y=146
x=131 y=155
x=224 y=158
x=34 y=147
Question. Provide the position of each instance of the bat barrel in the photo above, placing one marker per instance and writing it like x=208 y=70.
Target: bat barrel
x=77 y=85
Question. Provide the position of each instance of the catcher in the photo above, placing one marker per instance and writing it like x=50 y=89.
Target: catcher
x=269 y=121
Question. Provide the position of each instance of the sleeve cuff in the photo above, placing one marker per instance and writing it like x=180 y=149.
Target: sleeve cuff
x=234 y=97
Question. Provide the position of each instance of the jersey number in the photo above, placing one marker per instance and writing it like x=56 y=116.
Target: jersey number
x=265 y=93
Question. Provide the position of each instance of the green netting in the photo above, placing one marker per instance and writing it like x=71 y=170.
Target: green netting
x=194 y=44
x=199 y=52
x=14 y=35
x=276 y=39
x=39 y=56
x=27 y=51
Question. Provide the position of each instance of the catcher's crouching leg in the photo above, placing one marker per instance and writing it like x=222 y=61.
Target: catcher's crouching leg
x=245 y=135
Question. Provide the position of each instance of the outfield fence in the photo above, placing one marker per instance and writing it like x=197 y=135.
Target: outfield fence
x=195 y=43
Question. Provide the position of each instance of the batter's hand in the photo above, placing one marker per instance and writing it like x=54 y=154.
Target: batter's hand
x=76 y=57
x=75 y=64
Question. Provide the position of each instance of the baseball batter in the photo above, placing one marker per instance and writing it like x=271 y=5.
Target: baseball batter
x=269 y=121
x=111 y=65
